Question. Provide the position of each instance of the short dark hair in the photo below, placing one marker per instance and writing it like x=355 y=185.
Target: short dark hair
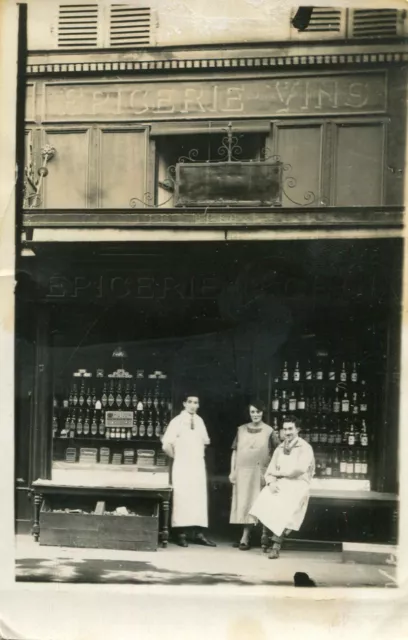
x=189 y=394
x=294 y=419
x=258 y=404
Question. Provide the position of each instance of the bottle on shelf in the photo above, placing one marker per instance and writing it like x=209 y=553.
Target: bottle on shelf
x=81 y=397
x=350 y=464
x=345 y=403
x=101 y=426
x=314 y=433
x=134 y=426
x=313 y=404
x=134 y=397
x=104 y=398
x=306 y=430
x=319 y=371
x=363 y=398
x=309 y=371
x=343 y=373
x=150 y=428
x=296 y=373
x=128 y=397
x=329 y=465
x=119 y=397
x=345 y=432
x=331 y=435
x=94 y=398
x=107 y=433
x=72 y=427
x=354 y=373
x=123 y=434
x=336 y=464
x=111 y=395
x=332 y=371
x=87 y=426
x=355 y=407
x=363 y=434
x=357 y=464
x=301 y=402
x=343 y=464
x=336 y=402
x=284 y=402
x=142 y=427
x=157 y=429
x=275 y=401
x=79 y=425
x=94 y=426
x=364 y=464
x=351 y=436
x=89 y=397
x=285 y=373
x=75 y=395
x=323 y=434
x=338 y=435
x=292 y=402
x=128 y=434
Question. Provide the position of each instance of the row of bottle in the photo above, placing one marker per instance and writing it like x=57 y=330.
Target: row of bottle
x=316 y=370
x=117 y=396
x=87 y=423
x=350 y=433
x=345 y=463
x=320 y=401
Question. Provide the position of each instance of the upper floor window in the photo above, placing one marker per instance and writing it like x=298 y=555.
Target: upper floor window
x=94 y=25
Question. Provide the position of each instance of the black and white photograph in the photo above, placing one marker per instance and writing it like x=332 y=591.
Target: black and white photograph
x=209 y=251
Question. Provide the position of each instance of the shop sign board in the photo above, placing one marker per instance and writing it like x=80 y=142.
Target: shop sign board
x=266 y=96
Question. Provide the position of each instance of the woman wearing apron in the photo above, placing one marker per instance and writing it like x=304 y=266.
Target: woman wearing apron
x=252 y=450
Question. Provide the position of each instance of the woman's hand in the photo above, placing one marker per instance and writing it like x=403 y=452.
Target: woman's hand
x=232 y=477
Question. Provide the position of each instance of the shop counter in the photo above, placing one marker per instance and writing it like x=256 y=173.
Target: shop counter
x=102 y=509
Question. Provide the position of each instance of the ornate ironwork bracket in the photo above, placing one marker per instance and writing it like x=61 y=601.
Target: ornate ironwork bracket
x=32 y=184
x=288 y=181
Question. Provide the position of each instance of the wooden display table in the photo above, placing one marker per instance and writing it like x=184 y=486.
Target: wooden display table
x=157 y=490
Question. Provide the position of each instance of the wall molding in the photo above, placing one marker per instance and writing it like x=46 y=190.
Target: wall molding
x=251 y=63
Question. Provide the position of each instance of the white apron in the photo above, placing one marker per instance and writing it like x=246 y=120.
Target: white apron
x=187 y=447
x=286 y=508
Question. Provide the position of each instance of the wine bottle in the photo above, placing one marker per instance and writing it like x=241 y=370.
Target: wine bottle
x=72 y=427
x=351 y=436
x=104 y=399
x=111 y=396
x=331 y=436
x=301 y=403
x=364 y=464
x=81 y=398
x=275 y=401
x=338 y=436
x=345 y=434
x=134 y=426
x=355 y=405
x=329 y=466
x=336 y=402
x=119 y=397
x=94 y=426
x=284 y=402
x=142 y=428
x=79 y=425
x=88 y=397
x=296 y=373
x=314 y=436
x=285 y=372
x=345 y=403
x=150 y=428
x=87 y=426
x=332 y=371
x=343 y=373
x=157 y=429
x=363 y=399
x=309 y=371
x=94 y=398
x=357 y=464
x=128 y=398
x=343 y=464
x=363 y=434
x=292 y=402
x=323 y=431
x=354 y=373
x=336 y=464
x=134 y=396
x=101 y=426
x=75 y=395
x=319 y=371
x=350 y=465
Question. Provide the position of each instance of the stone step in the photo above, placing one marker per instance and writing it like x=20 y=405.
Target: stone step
x=374 y=554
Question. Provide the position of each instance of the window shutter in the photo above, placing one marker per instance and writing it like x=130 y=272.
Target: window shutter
x=367 y=23
x=129 y=26
x=324 y=19
x=325 y=23
x=78 y=25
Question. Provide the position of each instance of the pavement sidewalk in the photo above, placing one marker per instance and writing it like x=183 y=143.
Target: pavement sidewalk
x=192 y=566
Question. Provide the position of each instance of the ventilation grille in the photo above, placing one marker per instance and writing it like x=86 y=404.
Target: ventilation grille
x=78 y=25
x=129 y=26
x=375 y=22
x=324 y=19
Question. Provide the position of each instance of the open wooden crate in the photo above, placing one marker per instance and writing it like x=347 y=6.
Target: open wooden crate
x=138 y=532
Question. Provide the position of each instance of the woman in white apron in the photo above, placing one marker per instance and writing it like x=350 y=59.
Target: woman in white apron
x=185 y=440
x=252 y=450
x=281 y=506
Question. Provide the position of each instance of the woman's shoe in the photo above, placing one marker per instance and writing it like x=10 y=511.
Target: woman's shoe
x=182 y=540
x=274 y=554
x=244 y=546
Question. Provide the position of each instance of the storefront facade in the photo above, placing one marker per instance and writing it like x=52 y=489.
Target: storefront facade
x=153 y=231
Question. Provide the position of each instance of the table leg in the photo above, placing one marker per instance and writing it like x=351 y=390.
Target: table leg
x=265 y=539
x=36 y=524
x=166 y=514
